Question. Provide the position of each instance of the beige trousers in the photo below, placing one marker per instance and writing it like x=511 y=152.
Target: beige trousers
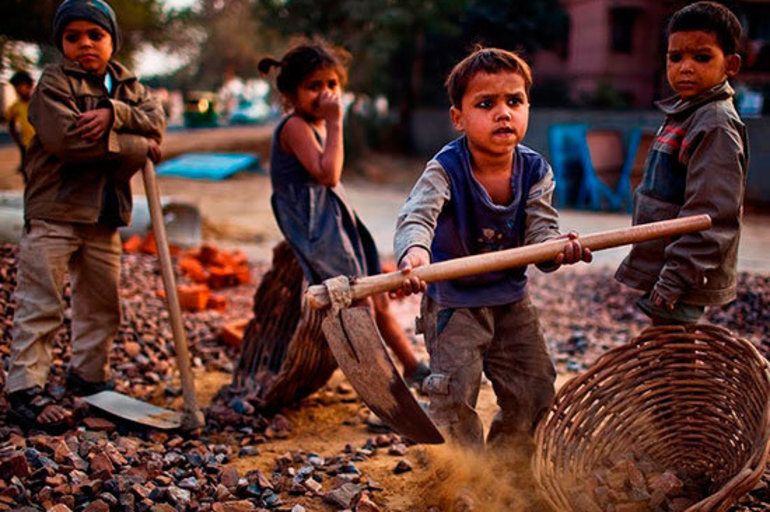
x=506 y=343
x=91 y=254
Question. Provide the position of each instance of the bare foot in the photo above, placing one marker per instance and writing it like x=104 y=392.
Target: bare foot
x=53 y=414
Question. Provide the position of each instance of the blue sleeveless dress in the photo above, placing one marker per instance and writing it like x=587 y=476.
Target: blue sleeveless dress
x=323 y=230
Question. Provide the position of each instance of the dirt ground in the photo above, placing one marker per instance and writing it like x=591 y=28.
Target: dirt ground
x=236 y=213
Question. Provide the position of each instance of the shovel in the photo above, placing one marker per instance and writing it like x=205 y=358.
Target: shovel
x=135 y=410
x=360 y=352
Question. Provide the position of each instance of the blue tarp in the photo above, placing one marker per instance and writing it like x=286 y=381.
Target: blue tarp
x=208 y=166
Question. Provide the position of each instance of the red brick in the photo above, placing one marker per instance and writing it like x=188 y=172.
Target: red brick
x=232 y=333
x=193 y=297
x=133 y=244
x=217 y=303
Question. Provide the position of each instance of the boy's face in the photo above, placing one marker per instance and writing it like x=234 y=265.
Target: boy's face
x=494 y=114
x=695 y=62
x=23 y=91
x=88 y=44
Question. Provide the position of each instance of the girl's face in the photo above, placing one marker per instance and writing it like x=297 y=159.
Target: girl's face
x=88 y=44
x=307 y=98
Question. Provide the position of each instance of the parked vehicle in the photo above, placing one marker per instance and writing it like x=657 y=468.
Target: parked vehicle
x=200 y=110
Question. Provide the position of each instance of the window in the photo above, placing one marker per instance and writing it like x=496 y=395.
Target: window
x=622 y=21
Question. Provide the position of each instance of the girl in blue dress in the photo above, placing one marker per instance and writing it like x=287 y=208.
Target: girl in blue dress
x=308 y=199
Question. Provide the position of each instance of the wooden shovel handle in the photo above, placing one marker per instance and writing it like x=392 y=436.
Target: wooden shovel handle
x=318 y=296
x=192 y=417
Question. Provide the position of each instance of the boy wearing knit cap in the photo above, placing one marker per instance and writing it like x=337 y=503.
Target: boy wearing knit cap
x=96 y=125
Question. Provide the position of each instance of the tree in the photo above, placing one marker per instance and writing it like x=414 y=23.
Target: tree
x=234 y=39
x=141 y=22
x=406 y=48
x=228 y=38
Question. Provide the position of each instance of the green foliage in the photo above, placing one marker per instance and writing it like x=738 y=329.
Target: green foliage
x=401 y=48
x=606 y=96
x=405 y=49
x=223 y=37
x=141 y=21
x=12 y=55
x=234 y=39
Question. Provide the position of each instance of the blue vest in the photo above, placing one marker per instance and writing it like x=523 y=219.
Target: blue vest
x=470 y=223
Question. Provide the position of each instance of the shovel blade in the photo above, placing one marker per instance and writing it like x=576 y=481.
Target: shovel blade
x=360 y=352
x=135 y=410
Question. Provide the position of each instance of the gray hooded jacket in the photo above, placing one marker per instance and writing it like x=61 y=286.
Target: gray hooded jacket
x=697 y=164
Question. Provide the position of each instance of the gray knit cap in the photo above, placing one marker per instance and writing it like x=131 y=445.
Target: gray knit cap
x=95 y=11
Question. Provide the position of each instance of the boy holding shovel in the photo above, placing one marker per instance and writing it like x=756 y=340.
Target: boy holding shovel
x=484 y=192
x=96 y=126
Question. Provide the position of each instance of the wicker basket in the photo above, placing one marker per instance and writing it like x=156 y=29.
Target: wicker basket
x=693 y=399
x=284 y=356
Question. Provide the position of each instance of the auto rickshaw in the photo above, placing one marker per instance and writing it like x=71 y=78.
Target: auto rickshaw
x=200 y=110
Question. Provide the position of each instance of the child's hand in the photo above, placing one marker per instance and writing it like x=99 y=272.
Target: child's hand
x=92 y=125
x=658 y=300
x=153 y=151
x=414 y=257
x=573 y=251
x=330 y=106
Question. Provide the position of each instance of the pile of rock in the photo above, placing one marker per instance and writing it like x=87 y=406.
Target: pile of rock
x=635 y=483
x=100 y=470
x=585 y=312
x=143 y=353
x=103 y=466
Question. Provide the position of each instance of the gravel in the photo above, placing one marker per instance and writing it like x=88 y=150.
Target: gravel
x=105 y=464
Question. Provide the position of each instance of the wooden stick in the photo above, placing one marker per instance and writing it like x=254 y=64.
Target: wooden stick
x=192 y=418
x=318 y=296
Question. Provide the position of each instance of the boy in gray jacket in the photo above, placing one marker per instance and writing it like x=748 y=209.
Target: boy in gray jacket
x=696 y=165
x=96 y=125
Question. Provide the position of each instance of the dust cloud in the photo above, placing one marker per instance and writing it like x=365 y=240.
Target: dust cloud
x=458 y=479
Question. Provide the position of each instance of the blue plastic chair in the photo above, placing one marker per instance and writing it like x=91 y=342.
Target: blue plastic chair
x=646 y=140
x=566 y=142
x=595 y=193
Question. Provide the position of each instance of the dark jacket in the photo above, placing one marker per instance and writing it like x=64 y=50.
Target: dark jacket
x=697 y=164
x=74 y=180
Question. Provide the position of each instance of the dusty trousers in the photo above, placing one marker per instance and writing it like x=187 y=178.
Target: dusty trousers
x=506 y=344
x=91 y=255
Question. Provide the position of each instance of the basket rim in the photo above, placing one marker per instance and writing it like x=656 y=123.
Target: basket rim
x=739 y=484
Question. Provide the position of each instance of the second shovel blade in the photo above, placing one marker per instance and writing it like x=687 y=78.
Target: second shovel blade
x=131 y=409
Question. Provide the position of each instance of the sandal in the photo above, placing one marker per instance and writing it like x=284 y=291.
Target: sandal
x=78 y=386
x=28 y=405
x=418 y=376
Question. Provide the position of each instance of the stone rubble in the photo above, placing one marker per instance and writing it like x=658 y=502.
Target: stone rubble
x=107 y=465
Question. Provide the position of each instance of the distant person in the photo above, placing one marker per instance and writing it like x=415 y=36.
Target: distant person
x=308 y=200
x=19 y=127
x=484 y=192
x=96 y=126
x=697 y=164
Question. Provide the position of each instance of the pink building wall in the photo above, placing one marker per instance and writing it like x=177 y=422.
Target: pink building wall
x=590 y=59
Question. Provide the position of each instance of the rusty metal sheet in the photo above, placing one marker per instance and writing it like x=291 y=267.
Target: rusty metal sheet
x=135 y=410
x=361 y=354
